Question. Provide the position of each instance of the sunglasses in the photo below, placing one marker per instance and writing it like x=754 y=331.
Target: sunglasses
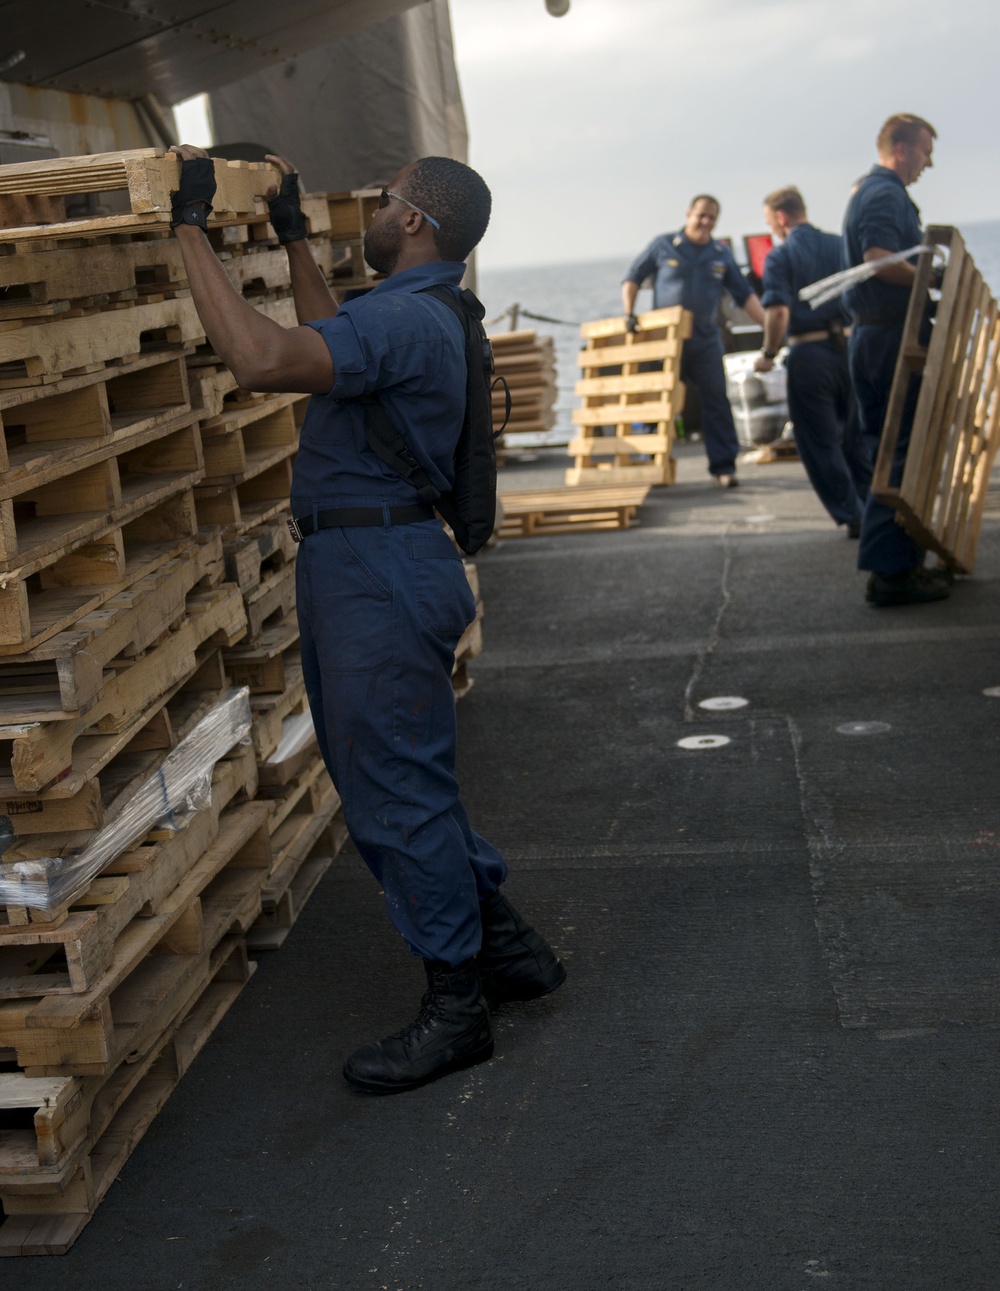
x=383 y=200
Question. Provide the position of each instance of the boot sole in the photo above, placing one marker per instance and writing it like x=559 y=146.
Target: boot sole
x=482 y=1054
x=529 y=991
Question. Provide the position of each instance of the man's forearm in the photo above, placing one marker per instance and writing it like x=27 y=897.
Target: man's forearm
x=900 y=274
x=775 y=326
x=313 y=298
x=629 y=292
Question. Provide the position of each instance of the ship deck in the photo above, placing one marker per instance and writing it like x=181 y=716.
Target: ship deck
x=774 y=1063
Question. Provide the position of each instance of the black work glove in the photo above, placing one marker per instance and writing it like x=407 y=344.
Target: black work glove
x=631 y=323
x=192 y=203
x=285 y=209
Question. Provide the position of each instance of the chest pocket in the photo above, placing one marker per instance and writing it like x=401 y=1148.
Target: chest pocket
x=718 y=269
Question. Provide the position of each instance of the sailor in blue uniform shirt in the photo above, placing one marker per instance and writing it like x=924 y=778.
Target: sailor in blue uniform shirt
x=692 y=269
x=382 y=595
x=880 y=220
x=820 y=400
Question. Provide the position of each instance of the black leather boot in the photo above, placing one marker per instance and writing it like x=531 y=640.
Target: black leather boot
x=515 y=962
x=451 y=1031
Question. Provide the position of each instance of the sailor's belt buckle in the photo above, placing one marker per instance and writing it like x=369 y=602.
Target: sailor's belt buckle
x=294 y=530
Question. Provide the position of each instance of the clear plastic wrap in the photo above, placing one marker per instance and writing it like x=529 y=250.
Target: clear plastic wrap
x=181 y=785
x=296 y=732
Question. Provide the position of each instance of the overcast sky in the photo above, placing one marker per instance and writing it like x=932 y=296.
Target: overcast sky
x=593 y=130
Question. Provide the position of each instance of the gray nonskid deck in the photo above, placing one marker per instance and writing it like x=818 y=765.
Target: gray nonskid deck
x=773 y=1065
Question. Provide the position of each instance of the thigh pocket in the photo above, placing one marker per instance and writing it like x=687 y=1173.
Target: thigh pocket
x=350 y=607
x=444 y=600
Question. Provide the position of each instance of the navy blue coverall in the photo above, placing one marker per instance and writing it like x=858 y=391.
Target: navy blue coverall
x=695 y=277
x=820 y=400
x=881 y=214
x=381 y=610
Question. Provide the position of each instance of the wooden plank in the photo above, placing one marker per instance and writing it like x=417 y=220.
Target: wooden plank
x=953 y=442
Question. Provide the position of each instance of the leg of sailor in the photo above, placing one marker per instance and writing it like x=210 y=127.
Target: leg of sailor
x=381 y=611
x=815 y=404
x=885 y=548
x=701 y=364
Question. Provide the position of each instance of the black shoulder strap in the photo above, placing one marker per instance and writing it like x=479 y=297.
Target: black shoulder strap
x=387 y=442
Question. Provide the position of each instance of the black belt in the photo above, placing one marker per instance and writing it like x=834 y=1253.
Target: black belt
x=348 y=517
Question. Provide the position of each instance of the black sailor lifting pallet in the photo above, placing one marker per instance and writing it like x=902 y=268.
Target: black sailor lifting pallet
x=956 y=428
x=621 y=402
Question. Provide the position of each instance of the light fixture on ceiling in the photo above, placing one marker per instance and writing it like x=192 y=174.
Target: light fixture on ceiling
x=557 y=8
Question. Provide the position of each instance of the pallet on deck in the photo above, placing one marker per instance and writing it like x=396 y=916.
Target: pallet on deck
x=262 y=665
x=535 y=512
x=116 y=1112
x=941 y=496
x=66 y=671
x=621 y=402
x=72 y=955
x=108 y=767
x=40 y=752
x=64 y=276
x=285 y=895
x=63 y=584
x=156 y=957
x=244 y=442
x=527 y=363
x=147 y=176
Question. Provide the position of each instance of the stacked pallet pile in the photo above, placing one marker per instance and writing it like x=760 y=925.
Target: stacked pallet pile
x=146 y=587
x=940 y=495
x=527 y=362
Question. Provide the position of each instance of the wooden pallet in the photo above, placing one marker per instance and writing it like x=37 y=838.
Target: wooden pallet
x=618 y=398
x=64 y=584
x=41 y=353
x=243 y=505
x=66 y=672
x=108 y=767
x=243 y=442
x=285 y=895
x=262 y=665
x=534 y=512
x=147 y=175
x=49 y=1206
x=71 y=954
x=39 y=752
x=941 y=496
x=270 y=711
x=92 y=1032
x=349 y=214
x=250 y=557
x=526 y=361
x=62 y=276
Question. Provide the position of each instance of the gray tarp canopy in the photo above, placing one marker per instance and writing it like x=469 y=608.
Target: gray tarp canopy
x=172 y=49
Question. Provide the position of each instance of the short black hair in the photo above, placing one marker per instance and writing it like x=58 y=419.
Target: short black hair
x=457 y=197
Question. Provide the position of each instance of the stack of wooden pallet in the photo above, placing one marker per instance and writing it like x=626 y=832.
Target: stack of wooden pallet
x=632 y=395
x=527 y=362
x=940 y=493
x=145 y=570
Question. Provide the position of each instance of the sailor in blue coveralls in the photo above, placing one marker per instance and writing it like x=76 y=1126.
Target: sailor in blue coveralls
x=880 y=220
x=692 y=269
x=820 y=399
x=382 y=593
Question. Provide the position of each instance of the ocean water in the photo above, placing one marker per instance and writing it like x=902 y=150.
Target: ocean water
x=577 y=293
